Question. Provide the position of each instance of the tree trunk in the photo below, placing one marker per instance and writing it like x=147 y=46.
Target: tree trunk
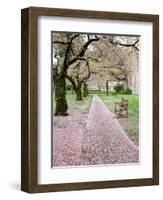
x=107 y=88
x=85 y=90
x=99 y=88
x=79 y=94
x=72 y=90
x=77 y=87
x=125 y=83
x=60 y=95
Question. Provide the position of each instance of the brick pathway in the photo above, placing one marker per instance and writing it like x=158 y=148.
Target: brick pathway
x=102 y=141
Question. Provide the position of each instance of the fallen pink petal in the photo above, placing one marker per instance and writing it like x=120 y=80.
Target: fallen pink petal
x=102 y=141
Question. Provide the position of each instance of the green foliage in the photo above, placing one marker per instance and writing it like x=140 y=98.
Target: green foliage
x=57 y=99
x=119 y=88
x=127 y=91
x=114 y=93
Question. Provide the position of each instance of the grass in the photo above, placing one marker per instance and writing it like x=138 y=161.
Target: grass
x=130 y=124
x=133 y=100
x=76 y=106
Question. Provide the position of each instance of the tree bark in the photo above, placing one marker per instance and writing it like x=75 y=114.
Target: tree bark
x=77 y=86
x=79 y=94
x=107 y=88
x=85 y=90
x=60 y=95
x=125 y=83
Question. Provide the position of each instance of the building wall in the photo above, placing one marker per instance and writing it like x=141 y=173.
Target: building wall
x=133 y=77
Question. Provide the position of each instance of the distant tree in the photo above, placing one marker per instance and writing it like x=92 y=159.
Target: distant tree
x=118 y=56
x=78 y=76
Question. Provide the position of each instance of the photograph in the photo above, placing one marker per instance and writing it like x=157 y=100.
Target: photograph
x=95 y=99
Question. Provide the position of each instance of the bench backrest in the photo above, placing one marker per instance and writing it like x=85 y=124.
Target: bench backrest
x=124 y=102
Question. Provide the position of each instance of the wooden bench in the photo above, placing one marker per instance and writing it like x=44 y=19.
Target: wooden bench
x=121 y=108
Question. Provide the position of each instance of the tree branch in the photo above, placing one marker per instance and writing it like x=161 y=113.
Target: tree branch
x=89 y=71
x=93 y=72
x=72 y=81
x=127 y=45
x=82 y=52
x=61 y=42
x=68 y=50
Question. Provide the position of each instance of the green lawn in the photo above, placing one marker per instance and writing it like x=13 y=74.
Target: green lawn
x=133 y=100
x=130 y=124
x=76 y=106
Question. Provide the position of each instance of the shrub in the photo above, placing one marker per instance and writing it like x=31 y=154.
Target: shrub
x=113 y=93
x=118 y=88
x=127 y=91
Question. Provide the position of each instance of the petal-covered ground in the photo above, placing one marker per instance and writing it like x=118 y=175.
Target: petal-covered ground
x=100 y=141
x=67 y=147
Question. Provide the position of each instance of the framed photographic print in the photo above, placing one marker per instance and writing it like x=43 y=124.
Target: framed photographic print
x=90 y=99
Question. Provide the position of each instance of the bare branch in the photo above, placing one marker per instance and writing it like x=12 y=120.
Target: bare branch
x=61 y=42
x=83 y=50
x=68 y=50
x=89 y=71
x=71 y=80
x=97 y=73
x=126 y=45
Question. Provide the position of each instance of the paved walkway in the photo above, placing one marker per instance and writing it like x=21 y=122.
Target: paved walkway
x=103 y=141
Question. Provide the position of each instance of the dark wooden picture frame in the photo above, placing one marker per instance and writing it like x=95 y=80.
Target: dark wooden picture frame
x=29 y=87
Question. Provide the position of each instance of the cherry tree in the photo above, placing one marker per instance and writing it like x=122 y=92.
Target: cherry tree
x=67 y=50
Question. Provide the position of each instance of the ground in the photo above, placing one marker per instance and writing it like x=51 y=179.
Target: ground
x=91 y=135
x=78 y=113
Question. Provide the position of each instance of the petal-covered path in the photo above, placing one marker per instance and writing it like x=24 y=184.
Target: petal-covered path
x=102 y=141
